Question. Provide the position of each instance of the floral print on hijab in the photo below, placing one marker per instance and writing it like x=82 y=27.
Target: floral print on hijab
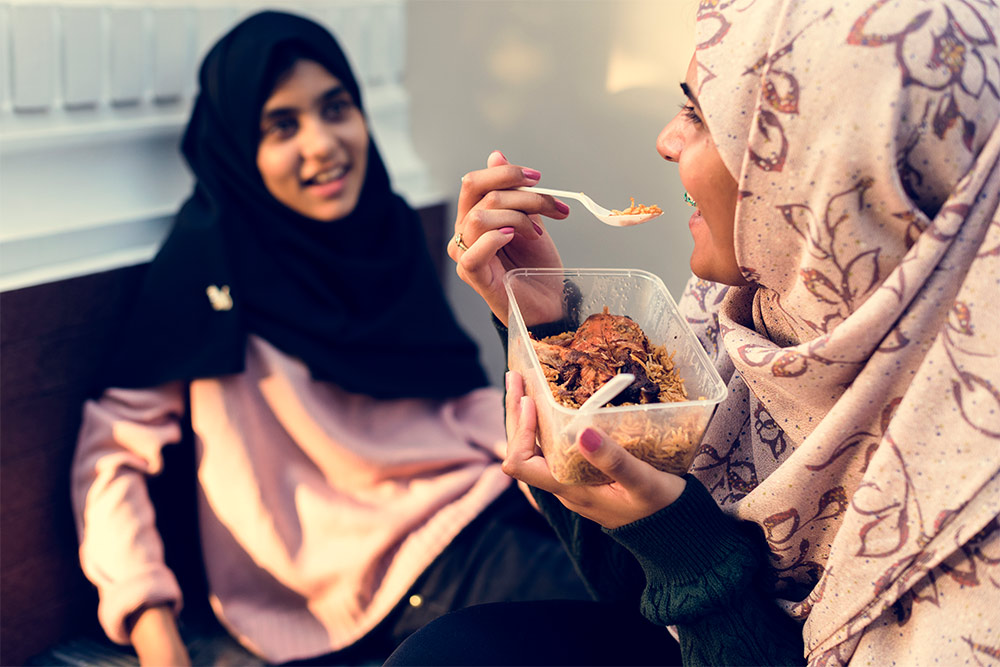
x=862 y=430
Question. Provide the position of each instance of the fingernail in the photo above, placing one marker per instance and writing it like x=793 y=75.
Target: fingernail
x=590 y=439
x=501 y=154
x=506 y=381
x=538 y=228
x=531 y=174
x=506 y=230
x=562 y=207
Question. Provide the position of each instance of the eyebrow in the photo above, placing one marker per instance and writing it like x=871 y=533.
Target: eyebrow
x=279 y=112
x=689 y=94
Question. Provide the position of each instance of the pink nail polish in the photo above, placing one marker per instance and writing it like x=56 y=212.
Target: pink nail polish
x=506 y=230
x=538 y=228
x=562 y=206
x=531 y=174
x=590 y=439
x=506 y=381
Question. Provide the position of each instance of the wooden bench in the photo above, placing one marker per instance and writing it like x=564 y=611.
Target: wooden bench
x=53 y=339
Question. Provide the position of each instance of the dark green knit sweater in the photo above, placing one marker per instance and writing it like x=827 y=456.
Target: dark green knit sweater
x=688 y=565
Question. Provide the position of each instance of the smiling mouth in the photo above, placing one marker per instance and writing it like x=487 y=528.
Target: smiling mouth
x=328 y=175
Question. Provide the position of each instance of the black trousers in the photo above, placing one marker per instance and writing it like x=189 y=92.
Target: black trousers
x=508 y=553
x=547 y=632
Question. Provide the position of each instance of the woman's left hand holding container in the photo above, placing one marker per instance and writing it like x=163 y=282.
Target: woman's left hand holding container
x=636 y=491
x=498 y=228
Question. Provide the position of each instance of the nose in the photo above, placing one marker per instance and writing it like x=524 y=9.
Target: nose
x=317 y=140
x=670 y=141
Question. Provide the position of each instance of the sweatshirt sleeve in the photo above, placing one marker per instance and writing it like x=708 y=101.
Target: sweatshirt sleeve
x=120 y=442
x=702 y=572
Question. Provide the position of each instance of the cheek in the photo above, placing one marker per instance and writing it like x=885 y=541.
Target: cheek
x=690 y=169
x=359 y=140
x=705 y=176
x=273 y=165
x=724 y=190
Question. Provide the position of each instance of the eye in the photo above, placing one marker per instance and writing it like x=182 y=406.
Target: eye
x=337 y=109
x=691 y=113
x=280 y=128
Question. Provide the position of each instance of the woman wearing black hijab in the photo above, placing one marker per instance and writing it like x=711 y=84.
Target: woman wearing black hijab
x=348 y=477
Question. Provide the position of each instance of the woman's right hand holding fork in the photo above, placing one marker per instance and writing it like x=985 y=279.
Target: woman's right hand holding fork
x=498 y=228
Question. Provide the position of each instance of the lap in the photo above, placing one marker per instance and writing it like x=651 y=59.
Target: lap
x=508 y=553
x=544 y=632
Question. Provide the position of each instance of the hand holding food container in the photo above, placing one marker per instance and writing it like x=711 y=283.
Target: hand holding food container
x=614 y=321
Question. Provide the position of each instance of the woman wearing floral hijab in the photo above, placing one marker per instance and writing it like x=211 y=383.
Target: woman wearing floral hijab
x=844 y=160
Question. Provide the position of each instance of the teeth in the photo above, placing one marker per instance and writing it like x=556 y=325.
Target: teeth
x=327 y=176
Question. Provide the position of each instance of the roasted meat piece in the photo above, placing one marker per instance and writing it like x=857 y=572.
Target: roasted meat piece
x=577 y=363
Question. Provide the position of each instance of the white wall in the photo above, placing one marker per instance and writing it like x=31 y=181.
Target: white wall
x=578 y=89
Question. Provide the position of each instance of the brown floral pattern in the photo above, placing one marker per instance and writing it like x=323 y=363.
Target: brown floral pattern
x=957 y=47
x=862 y=429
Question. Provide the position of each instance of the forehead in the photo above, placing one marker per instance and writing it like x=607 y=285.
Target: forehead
x=304 y=82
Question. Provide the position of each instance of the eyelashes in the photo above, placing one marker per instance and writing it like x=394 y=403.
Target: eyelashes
x=337 y=109
x=690 y=113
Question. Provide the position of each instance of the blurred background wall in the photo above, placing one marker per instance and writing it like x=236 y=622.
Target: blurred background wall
x=94 y=95
x=578 y=89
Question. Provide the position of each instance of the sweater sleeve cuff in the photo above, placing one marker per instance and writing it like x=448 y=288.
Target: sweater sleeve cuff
x=501 y=331
x=690 y=535
x=158 y=586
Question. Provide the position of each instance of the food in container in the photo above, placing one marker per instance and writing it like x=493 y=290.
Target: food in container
x=578 y=362
x=547 y=302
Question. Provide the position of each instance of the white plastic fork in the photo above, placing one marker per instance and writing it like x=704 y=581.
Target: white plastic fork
x=601 y=213
x=607 y=391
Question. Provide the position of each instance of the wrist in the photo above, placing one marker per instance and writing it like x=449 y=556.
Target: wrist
x=156 y=638
x=152 y=608
x=691 y=533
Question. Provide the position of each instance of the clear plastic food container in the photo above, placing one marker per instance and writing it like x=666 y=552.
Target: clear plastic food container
x=667 y=435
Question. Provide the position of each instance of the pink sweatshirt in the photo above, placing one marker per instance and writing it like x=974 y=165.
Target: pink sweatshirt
x=318 y=510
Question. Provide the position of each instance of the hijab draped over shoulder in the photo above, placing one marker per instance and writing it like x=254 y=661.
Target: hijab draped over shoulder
x=356 y=299
x=862 y=431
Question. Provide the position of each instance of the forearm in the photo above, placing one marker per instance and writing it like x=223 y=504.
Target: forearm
x=155 y=637
x=120 y=549
x=610 y=571
x=702 y=571
x=751 y=631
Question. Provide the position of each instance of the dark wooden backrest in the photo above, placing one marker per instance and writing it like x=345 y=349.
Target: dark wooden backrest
x=52 y=338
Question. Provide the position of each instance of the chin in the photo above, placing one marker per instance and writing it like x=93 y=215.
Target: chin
x=726 y=276
x=330 y=213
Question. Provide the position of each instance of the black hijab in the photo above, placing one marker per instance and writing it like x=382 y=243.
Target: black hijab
x=357 y=299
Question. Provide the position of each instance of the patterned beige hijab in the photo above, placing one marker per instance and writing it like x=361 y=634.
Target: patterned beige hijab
x=862 y=431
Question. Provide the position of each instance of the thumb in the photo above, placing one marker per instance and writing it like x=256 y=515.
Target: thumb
x=610 y=458
x=496 y=159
